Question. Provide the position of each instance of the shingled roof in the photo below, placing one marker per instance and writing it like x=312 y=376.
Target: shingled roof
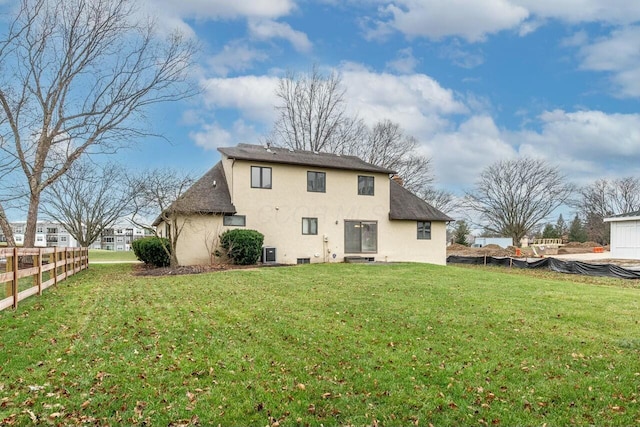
x=407 y=206
x=208 y=195
x=623 y=217
x=258 y=153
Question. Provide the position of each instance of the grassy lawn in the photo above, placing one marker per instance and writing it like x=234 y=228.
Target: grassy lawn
x=97 y=255
x=323 y=344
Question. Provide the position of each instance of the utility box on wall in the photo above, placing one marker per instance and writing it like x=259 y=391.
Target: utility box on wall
x=268 y=255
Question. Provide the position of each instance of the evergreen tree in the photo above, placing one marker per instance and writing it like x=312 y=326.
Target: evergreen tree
x=561 y=227
x=460 y=233
x=577 y=233
x=549 y=232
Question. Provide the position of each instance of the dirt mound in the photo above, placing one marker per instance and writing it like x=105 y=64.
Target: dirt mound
x=582 y=245
x=457 y=247
x=488 y=250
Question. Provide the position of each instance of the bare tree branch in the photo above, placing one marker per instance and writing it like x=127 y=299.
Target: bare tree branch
x=160 y=195
x=77 y=77
x=514 y=196
x=88 y=199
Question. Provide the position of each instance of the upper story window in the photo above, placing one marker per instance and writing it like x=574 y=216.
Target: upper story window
x=424 y=230
x=365 y=185
x=316 y=182
x=39 y=230
x=260 y=177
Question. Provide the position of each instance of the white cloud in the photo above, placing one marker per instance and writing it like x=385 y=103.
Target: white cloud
x=574 y=11
x=463 y=58
x=435 y=19
x=619 y=55
x=417 y=102
x=586 y=145
x=225 y=9
x=235 y=56
x=460 y=155
x=474 y=20
x=267 y=29
x=253 y=96
x=405 y=63
x=212 y=136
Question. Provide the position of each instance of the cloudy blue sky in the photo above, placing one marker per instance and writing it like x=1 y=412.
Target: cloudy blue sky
x=473 y=80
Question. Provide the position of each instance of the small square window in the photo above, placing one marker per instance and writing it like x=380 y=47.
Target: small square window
x=316 y=182
x=424 y=230
x=303 y=261
x=234 y=220
x=309 y=225
x=260 y=177
x=365 y=185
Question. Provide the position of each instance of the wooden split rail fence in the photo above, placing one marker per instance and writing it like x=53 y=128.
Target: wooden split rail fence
x=25 y=268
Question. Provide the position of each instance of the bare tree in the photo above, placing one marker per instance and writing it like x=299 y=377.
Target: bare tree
x=388 y=146
x=514 y=196
x=312 y=113
x=76 y=78
x=440 y=199
x=312 y=116
x=88 y=199
x=160 y=195
x=604 y=198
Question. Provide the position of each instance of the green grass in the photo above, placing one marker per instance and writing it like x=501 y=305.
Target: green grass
x=323 y=344
x=97 y=255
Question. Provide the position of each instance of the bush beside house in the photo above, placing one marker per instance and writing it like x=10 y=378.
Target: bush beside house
x=243 y=247
x=152 y=250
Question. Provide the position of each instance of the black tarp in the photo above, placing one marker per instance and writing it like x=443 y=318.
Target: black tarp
x=570 y=267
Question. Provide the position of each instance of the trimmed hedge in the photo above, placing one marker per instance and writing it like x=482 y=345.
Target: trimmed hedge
x=243 y=247
x=150 y=250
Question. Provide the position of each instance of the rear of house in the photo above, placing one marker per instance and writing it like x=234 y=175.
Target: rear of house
x=311 y=207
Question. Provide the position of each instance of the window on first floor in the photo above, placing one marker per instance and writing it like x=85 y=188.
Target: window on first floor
x=260 y=177
x=309 y=225
x=360 y=237
x=316 y=182
x=365 y=185
x=424 y=230
x=234 y=220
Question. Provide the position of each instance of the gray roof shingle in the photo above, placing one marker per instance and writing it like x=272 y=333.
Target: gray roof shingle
x=258 y=153
x=204 y=197
x=407 y=206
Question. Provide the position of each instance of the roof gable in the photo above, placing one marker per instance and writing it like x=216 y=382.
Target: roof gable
x=208 y=195
x=259 y=153
x=407 y=206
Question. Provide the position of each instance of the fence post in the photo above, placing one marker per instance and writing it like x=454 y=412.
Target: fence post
x=9 y=285
x=66 y=262
x=55 y=266
x=39 y=276
x=15 y=277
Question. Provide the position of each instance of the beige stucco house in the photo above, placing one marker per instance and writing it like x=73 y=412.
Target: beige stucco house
x=311 y=207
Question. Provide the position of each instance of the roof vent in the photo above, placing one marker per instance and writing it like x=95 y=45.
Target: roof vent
x=268 y=150
x=315 y=152
x=290 y=150
x=215 y=184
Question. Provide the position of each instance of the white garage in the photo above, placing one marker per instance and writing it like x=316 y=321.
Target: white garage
x=625 y=235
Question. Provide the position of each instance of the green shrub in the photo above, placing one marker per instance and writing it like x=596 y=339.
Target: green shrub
x=151 y=250
x=243 y=247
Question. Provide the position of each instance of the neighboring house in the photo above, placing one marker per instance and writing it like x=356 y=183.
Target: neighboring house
x=625 y=235
x=311 y=207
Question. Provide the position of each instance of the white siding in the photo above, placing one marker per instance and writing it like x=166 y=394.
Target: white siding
x=625 y=239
